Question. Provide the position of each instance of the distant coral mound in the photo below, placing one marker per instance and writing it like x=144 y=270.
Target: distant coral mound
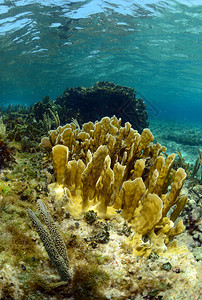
x=104 y=98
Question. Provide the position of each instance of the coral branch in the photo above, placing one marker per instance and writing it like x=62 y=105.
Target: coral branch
x=52 y=241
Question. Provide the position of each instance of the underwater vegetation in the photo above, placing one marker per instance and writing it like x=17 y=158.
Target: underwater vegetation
x=2 y=128
x=181 y=162
x=194 y=171
x=6 y=152
x=44 y=110
x=19 y=188
x=198 y=166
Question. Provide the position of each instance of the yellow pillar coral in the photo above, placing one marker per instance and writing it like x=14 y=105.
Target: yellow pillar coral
x=181 y=202
x=146 y=139
x=92 y=173
x=121 y=174
x=103 y=188
x=67 y=138
x=163 y=175
x=171 y=198
x=129 y=196
x=148 y=214
x=139 y=168
x=60 y=158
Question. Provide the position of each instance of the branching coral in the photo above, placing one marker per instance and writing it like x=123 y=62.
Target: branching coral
x=52 y=240
x=108 y=168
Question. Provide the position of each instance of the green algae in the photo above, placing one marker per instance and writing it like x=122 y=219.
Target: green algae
x=101 y=259
x=166 y=266
x=4 y=188
x=90 y=216
x=87 y=282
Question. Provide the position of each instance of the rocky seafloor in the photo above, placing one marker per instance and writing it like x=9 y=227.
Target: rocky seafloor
x=179 y=136
x=102 y=265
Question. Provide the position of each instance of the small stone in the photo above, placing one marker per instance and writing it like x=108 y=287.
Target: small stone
x=90 y=217
x=153 y=256
x=67 y=214
x=195 y=216
x=76 y=224
x=196 y=235
x=176 y=270
x=167 y=266
x=192 y=203
x=23 y=267
x=200 y=227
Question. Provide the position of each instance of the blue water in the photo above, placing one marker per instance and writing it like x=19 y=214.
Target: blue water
x=153 y=46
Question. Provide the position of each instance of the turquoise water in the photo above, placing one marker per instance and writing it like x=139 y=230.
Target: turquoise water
x=153 y=46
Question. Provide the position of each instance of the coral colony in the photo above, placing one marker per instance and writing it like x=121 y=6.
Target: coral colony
x=108 y=174
x=108 y=168
x=108 y=203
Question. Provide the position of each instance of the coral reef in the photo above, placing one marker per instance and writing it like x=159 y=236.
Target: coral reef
x=23 y=131
x=116 y=200
x=108 y=168
x=26 y=125
x=104 y=98
x=42 y=109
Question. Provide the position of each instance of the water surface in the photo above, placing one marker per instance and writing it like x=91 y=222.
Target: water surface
x=153 y=46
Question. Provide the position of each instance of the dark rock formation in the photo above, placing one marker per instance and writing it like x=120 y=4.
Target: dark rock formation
x=102 y=99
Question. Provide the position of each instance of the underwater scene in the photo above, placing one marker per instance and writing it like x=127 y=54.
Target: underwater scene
x=100 y=149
